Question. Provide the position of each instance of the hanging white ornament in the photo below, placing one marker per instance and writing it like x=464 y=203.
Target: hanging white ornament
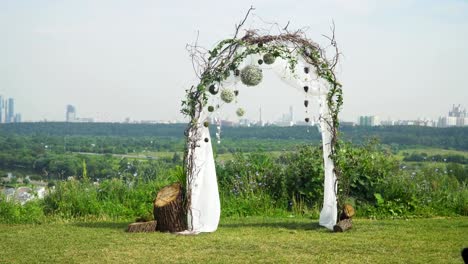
x=227 y=95
x=251 y=75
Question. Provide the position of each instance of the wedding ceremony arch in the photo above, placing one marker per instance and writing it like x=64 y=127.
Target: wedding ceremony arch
x=240 y=61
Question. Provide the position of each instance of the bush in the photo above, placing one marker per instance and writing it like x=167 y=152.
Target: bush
x=112 y=198
x=264 y=184
x=14 y=213
x=304 y=175
x=378 y=185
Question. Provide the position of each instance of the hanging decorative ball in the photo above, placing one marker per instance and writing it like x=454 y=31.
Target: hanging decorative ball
x=306 y=69
x=210 y=108
x=306 y=103
x=307 y=120
x=206 y=124
x=240 y=112
x=306 y=89
x=213 y=89
x=251 y=75
x=206 y=140
x=227 y=95
x=236 y=72
x=260 y=61
x=269 y=58
x=236 y=92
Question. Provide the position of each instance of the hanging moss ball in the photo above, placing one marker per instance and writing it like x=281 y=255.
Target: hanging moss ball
x=236 y=92
x=227 y=95
x=260 y=61
x=260 y=44
x=206 y=140
x=307 y=120
x=269 y=58
x=210 y=108
x=251 y=75
x=306 y=89
x=213 y=89
x=306 y=69
x=236 y=72
x=306 y=103
x=206 y=124
x=240 y=112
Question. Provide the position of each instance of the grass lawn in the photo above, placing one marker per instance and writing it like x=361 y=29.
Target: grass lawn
x=243 y=240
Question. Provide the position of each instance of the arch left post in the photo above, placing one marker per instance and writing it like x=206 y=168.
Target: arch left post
x=202 y=195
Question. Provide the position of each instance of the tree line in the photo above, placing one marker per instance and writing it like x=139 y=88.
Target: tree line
x=447 y=138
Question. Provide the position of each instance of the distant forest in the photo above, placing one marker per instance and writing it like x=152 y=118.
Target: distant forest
x=57 y=150
x=447 y=138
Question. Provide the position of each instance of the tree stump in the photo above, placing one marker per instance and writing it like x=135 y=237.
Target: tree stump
x=343 y=225
x=346 y=221
x=149 y=226
x=169 y=209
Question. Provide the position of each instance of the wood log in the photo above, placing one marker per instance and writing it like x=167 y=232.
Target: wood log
x=343 y=225
x=169 y=209
x=149 y=226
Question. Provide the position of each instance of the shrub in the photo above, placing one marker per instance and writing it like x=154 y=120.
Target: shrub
x=14 y=213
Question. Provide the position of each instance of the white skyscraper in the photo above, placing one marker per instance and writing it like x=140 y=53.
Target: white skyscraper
x=2 y=112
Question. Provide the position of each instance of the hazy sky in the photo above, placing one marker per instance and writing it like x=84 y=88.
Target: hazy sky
x=116 y=59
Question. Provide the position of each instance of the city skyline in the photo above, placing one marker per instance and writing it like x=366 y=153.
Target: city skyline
x=7 y=111
x=401 y=59
x=457 y=116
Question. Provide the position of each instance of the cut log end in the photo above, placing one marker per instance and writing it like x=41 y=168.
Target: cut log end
x=343 y=225
x=138 y=227
x=167 y=194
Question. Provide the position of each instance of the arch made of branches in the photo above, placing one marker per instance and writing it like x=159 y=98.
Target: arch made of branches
x=222 y=63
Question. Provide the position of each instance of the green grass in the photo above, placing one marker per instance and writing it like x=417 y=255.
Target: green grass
x=242 y=240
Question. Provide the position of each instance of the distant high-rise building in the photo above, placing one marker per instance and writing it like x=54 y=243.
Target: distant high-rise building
x=2 y=106
x=71 y=116
x=10 y=111
x=291 y=114
x=387 y=122
x=369 y=121
x=456 y=117
x=260 y=121
x=71 y=113
x=457 y=111
x=17 y=118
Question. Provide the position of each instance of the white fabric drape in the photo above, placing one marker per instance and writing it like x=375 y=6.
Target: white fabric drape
x=329 y=212
x=205 y=204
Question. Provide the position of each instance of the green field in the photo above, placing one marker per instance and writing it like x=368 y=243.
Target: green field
x=433 y=151
x=240 y=240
